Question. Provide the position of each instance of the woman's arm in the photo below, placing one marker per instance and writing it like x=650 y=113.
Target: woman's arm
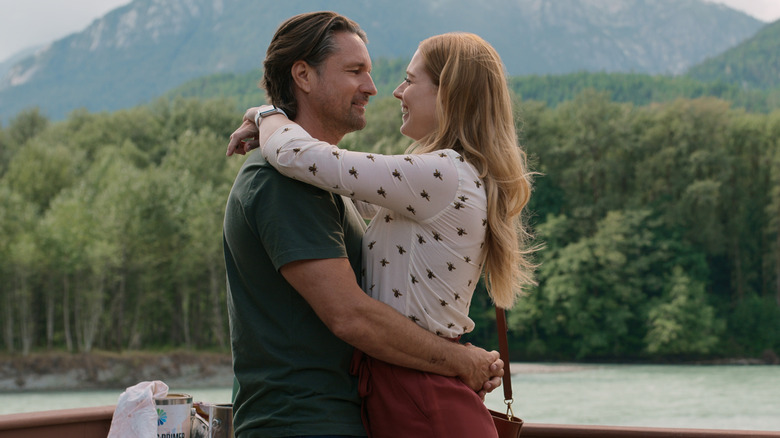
x=418 y=186
x=366 y=210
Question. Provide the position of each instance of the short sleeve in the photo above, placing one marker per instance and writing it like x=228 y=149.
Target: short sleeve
x=296 y=221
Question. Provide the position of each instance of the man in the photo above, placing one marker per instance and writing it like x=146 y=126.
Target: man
x=292 y=253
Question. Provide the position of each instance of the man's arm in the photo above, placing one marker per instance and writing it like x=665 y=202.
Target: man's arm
x=330 y=288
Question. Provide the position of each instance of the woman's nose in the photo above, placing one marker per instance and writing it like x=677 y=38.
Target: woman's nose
x=399 y=90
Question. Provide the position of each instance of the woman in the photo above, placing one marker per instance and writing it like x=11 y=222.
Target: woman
x=442 y=214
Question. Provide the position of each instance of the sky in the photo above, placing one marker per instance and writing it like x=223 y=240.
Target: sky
x=27 y=23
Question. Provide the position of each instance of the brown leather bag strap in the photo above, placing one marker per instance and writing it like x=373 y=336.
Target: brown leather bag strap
x=503 y=349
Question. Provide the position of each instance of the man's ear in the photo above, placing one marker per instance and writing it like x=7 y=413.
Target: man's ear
x=302 y=74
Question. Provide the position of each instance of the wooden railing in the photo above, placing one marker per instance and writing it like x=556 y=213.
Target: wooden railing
x=65 y=423
x=96 y=422
x=536 y=430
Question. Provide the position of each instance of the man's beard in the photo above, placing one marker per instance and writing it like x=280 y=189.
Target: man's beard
x=348 y=122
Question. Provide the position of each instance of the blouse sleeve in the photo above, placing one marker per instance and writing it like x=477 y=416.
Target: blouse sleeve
x=366 y=210
x=418 y=186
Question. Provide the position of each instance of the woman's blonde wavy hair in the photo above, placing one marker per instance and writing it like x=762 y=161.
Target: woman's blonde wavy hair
x=475 y=118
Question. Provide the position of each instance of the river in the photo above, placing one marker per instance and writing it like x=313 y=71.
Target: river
x=717 y=396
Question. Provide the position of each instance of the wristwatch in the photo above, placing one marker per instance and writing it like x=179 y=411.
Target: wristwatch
x=267 y=110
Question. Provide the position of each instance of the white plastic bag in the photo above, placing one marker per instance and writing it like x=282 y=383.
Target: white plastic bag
x=135 y=415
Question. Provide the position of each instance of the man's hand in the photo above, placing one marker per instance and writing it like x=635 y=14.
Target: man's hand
x=482 y=370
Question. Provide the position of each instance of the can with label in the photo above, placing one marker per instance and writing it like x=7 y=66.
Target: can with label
x=174 y=416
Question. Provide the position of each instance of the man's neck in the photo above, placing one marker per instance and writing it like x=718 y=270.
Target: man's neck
x=316 y=128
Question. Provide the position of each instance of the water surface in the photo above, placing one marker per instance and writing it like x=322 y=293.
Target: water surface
x=717 y=397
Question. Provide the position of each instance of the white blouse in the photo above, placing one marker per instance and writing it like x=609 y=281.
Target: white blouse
x=423 y=250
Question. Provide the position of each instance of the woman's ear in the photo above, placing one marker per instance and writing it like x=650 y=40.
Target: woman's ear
x=302 y=75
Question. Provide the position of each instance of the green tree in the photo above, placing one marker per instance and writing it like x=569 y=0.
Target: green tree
x=112 y=255
x=25 y=256
x=539 y=134
x=754 y=325
x=681 y=321
x=585 y=153
x=6 y=152
x=204 y=179
x=18 y=257
x=24 y=127
x=41 y=170
x=66 y=231
x=773 y=207
x=592 y=291
x=746 y=193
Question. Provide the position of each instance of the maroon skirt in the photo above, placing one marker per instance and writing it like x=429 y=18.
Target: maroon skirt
x=402 y=402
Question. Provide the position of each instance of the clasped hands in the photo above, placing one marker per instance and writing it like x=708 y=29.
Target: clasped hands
x=484 y=372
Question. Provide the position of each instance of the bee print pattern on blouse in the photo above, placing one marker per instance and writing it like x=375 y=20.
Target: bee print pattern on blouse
x=411 y=188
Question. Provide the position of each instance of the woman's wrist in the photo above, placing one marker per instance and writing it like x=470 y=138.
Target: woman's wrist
x=265 y=111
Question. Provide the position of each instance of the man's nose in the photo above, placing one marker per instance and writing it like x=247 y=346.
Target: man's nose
x=369 y=87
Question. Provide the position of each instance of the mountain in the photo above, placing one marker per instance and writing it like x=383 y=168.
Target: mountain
x=143 y=49
x=6 y=64
x=754 y=64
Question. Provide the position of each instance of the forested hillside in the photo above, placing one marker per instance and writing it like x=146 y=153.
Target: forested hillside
x=636 y=88
x=641 y=89
x=659 y=225
x=753 y=64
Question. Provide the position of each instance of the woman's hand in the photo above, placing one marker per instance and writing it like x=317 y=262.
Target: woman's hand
x=244 y=139
x=481 y=370
x=249 y=135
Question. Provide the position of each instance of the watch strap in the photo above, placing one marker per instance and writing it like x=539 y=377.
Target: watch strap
x=265 y=111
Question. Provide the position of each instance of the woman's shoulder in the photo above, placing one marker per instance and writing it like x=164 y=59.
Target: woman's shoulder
x=444 y=153
x=457 y=160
